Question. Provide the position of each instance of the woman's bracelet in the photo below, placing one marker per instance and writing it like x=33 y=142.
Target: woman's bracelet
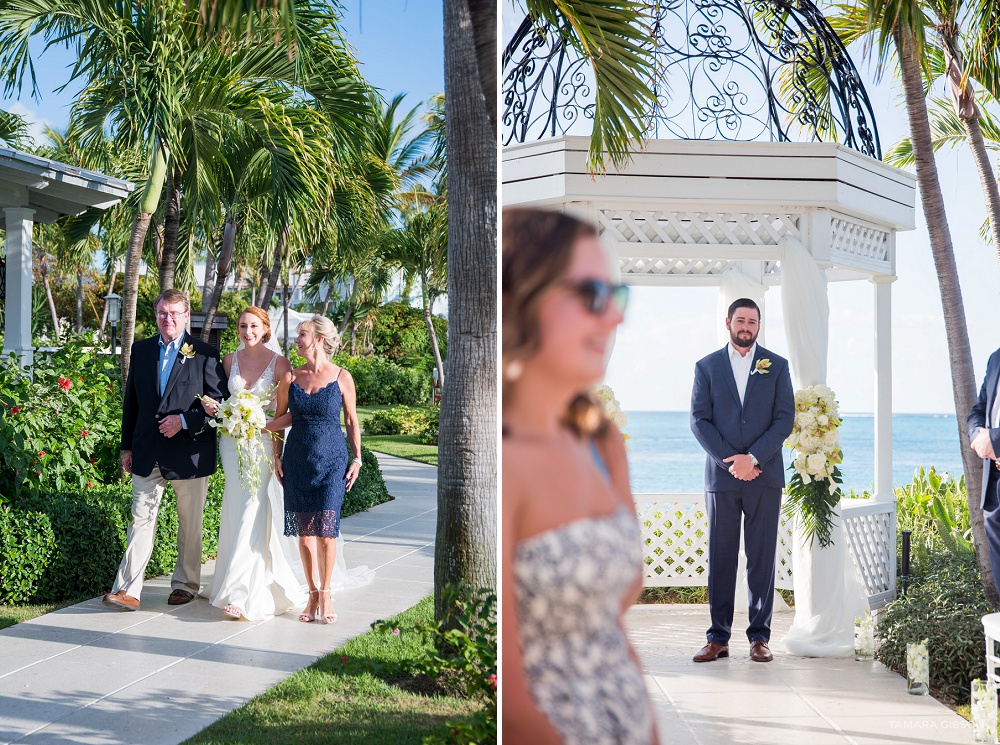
x=357 y=460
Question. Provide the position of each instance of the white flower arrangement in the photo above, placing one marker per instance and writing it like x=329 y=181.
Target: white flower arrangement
x=917 y=668
x=864 y=637
x=814 y=489
x=242 y=417
x=984 y=711
x=613 y=409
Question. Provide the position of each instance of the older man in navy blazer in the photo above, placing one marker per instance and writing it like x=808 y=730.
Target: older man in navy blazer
x=984 y=436
x=742 y=410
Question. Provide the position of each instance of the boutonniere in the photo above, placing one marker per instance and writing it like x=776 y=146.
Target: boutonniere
x=187 y=352
x=761 y=366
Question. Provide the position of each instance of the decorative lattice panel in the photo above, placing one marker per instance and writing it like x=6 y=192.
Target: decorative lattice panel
x=698 y=228
x=675 y=543
x=673 y=267
x=872 y=538
x=862 y=241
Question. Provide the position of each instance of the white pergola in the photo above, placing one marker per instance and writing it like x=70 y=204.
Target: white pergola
x=683 y=212
x=34 y=189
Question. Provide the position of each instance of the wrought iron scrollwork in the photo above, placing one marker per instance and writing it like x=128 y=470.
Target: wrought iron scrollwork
x=723 y=69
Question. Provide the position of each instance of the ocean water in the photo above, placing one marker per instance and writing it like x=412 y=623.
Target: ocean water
x=664 y=457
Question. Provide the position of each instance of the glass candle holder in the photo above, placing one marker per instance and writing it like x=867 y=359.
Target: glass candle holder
x=864 y=638
x=917 y=669
x=984 y=711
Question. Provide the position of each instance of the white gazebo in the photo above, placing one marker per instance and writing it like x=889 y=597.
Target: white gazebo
x=717 y=188
x=34 y=189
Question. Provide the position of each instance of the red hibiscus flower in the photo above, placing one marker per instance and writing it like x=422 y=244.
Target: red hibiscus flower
x=16 y=409
x=41 y=453
x=91 y=483
x=65 y=384
x=493 y=680
x=84 y=433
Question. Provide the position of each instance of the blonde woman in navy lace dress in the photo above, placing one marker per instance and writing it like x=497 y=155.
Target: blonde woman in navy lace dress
x=571 y=558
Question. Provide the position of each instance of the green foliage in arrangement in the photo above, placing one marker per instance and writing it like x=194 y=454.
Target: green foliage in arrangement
x=399 y=333
x=381 y=381
x=405 y=420
x=944 y=606
x=460 y=659
x=26 y=543
x=60 y=420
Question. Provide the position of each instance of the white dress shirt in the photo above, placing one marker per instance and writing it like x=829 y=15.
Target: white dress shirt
x=741 y=367
x=994 y=420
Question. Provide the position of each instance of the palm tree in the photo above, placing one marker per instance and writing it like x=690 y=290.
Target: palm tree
x=13 y=130
x=420 y=248
x=898 y=27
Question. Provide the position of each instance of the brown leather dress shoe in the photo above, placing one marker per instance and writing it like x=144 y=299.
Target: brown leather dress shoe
x=120 y=601
x=711 y=651
x=180 y=597
x=759 y=652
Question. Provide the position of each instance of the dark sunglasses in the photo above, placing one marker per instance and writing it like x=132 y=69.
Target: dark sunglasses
x=596 y=294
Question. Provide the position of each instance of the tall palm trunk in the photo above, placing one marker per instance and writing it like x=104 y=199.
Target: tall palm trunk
x=957 y=333
x=211 y=263
x=427 y=302
x=272 y=277
x=974 y=134
x=133 y=255
x=79 y=301
x=465 y=547
x=171 y=231
x=50 y=299
x=222 y=274
x=111 y=289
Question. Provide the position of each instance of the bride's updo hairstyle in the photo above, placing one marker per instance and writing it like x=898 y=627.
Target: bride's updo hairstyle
x=323 y=328
x=265 y=320
x=537 y=248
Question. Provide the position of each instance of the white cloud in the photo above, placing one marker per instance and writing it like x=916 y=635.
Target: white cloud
x=36 y=123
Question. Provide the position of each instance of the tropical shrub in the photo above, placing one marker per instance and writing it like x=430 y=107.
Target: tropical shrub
x=369 y=490
x=398 y=332
x=26 y=543
x=935 y=510
x=60 y=420
x=381 y=381
x=944 y=606
x=405 y=420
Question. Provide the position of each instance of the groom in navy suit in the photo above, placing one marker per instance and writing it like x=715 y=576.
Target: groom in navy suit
x=742 y=410
x=983 y=426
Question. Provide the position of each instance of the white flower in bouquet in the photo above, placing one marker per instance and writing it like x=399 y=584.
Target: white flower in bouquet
x=242 y=417
x=816 y=464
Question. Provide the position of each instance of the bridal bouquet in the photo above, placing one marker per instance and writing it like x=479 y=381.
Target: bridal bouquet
x=242 y=417
x=613 y=409
x=814 y=489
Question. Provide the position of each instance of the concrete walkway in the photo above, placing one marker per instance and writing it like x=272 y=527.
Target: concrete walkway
x=159 y=675
x=792 y=700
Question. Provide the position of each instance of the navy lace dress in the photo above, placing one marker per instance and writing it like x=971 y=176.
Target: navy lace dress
x=315 y=462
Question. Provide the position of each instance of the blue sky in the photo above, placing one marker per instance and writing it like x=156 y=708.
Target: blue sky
x=400 y=44
x=667 y=330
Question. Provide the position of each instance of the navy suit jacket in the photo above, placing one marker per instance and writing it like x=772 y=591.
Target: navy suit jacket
x=759 y=426
x=980 y=414
x=191 y=452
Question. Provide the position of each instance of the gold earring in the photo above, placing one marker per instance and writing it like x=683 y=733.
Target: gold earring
x=513 y=370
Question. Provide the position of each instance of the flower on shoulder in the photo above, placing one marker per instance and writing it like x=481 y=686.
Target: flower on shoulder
x=187 y=351
x=761 y=366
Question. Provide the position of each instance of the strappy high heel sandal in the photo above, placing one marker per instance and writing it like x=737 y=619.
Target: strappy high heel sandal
x=306 y=617
x=331 y=616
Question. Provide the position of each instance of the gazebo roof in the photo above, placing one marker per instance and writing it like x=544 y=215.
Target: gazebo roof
x=53 y=189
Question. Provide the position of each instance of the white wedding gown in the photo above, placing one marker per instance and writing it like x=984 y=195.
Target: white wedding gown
x=257 y=568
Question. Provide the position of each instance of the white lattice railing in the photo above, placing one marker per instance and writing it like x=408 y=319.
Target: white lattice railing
x=675 y=543
x=698 y=228
x=856 y=240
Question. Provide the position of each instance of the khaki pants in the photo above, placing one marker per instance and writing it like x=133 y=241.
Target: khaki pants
x=146 y=494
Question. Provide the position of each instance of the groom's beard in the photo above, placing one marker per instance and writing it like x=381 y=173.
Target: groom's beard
x=743 y=339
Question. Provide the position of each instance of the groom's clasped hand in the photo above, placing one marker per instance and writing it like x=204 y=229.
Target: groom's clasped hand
x=742 y=467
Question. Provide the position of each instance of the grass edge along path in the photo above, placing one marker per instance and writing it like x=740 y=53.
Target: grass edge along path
x=401 y=446
x=350 y=697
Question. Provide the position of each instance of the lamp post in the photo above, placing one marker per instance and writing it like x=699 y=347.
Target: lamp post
x=114 y=316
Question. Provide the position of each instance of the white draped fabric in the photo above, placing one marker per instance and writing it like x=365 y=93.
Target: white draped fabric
x=828 y=592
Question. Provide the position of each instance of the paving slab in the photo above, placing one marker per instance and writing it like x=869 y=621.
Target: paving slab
x=157 y=676
x=793 y=700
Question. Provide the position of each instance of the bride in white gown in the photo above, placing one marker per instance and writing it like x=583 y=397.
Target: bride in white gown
x=258 y=572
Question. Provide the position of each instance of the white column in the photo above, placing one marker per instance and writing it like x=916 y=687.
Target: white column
x=17 y=303
x=883 y=388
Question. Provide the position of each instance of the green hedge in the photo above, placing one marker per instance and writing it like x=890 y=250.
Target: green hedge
x=945 y=606
x=380 y=381
x=26 y=544
x=404 y=420
x=67 y=545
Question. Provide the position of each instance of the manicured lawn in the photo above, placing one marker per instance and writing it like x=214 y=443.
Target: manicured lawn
x=353 y=702
x=402 y=446
x=13 y=614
